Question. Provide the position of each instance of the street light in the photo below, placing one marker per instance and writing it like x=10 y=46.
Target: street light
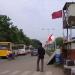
x=48 y=29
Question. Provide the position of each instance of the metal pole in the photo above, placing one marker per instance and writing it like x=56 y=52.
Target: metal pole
x=70 y=33
x=55 y=44
x=67 y=34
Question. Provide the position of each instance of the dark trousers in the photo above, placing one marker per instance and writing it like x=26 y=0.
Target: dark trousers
x=42 y=63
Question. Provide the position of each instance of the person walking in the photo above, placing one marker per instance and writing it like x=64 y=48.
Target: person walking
x=41 y=53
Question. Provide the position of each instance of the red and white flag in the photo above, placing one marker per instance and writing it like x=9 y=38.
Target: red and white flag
x=57 y=14
x=49 y=38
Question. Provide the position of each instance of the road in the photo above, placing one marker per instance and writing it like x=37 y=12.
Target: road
x=26 y=65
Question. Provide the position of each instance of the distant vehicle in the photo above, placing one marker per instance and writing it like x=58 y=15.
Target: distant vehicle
x=21 y=49
x=34 y=52
x=27 y=50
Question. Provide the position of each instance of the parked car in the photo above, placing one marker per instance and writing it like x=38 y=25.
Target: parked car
x=34 y=52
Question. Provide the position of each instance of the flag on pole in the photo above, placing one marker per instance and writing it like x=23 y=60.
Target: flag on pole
x=49 y=38
x=57 y=14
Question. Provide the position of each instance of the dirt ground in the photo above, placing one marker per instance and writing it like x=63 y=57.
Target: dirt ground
x=55 y=70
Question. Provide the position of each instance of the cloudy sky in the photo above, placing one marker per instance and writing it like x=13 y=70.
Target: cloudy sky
x=34 y=16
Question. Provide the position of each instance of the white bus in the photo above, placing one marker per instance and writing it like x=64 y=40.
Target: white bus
x=21 y=49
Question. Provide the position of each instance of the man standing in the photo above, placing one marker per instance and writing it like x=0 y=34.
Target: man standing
x=41 y=53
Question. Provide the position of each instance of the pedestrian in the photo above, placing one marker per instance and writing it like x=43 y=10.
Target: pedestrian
x=9 y=56
x=41 y=53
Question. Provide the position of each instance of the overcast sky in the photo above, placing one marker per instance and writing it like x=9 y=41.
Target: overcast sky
x=34 y=16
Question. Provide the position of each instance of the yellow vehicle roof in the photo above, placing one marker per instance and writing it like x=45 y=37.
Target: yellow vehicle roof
x=5 y=42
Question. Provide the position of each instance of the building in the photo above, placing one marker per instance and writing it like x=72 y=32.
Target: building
x=68 y=49
x=69 y=25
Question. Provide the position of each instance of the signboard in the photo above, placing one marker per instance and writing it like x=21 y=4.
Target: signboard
x=69 y=15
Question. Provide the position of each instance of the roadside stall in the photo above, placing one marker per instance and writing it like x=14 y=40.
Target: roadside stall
x=68 y=49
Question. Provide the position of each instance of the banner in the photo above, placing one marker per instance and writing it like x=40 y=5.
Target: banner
x=57 y=14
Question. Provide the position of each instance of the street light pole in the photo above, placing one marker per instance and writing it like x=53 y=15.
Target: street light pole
x=48 y=33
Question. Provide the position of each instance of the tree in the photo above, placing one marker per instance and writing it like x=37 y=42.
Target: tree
x=17 y=36
x=4 y=28
x=14 y=34
x=35 y=43
x=59 y=41
x=10 y=32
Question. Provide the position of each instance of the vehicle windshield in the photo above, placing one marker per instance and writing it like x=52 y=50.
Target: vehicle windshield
x=2 y=47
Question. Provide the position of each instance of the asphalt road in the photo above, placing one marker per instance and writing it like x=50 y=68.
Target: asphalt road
x=26 y=65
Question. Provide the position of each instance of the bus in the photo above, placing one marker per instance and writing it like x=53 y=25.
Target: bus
x=20 y=49
x=5 y=49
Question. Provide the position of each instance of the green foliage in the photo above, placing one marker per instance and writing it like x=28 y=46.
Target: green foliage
x=4 y=28
x=59 y=41
x=9 y=32
x=35 y=43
